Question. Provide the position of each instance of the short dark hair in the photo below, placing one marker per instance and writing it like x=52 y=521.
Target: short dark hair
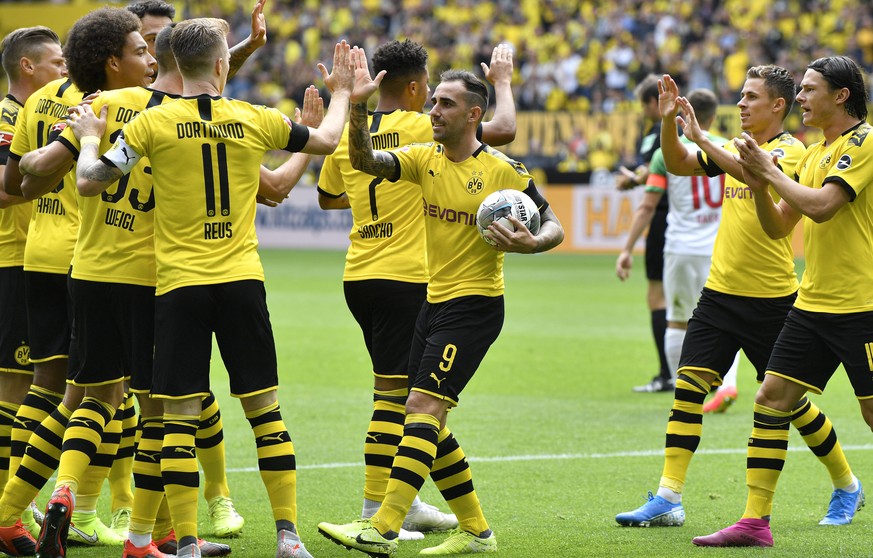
x=93 y=39
x=477 y=92
x=840 y=72
x=705 y=103
x=402 y=62
x=647 y=89
x=163 y=52
x=24 y=42
x=157 y=8
x=778 y=82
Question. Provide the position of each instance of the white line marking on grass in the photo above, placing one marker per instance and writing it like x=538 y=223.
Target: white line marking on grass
x=559 y=456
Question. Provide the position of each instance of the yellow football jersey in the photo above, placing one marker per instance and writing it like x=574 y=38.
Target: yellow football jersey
x=205 y=155
x=54 y=223
x=14 y=219
x=387 y=236
x=116 y=236
x=839 y=252
x=745 y=261
x=460 y=262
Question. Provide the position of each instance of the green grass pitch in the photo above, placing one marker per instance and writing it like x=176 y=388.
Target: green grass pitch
x=557 y=441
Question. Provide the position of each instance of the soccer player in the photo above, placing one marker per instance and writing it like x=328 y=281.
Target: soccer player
x=32 y=57
x=156 y=15
x=385 y=277
x=112 y=288
x=209 y=275
x=48 y=253
x=831 y=322
x=695 y=211
x=751 y=287
x=464 y=310
x=647 y=93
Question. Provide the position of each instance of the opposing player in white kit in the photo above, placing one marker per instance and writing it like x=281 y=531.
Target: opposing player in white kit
x=692 y=223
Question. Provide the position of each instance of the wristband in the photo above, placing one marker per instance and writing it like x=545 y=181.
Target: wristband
x=89 y=140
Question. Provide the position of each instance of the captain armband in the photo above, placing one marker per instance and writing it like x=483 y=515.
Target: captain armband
x=122 y=155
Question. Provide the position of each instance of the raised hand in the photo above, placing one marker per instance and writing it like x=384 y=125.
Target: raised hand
x=690 y=125
x=500 y=69
x=313 y=108
x=668 y=93
x=258 y=38
x=342 y=76
x=364 y=86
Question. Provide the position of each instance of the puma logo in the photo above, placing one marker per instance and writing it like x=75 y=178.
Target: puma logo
x=187 y=451
x=23 y=423
x=437 y=380
x=373 y=437
x=274 y=437
x=154 y=457
x=84 y=422
x=128 y=157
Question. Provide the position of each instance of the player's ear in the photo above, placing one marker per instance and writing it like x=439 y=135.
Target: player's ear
x=779 y=104
x=475 y=113
x=113 y=64
x=25 y=65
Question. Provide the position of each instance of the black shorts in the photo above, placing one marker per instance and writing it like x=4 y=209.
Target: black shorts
x=14 y=347
x=813 y=344
x=386 y=311
x=655 y=246
x=451 y=339
x=49 y=315
x=113 y=334
x=722 y=324
x=186 y=318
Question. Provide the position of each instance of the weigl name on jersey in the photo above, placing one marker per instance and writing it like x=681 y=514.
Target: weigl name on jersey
x=232 y=130
x=120 y=219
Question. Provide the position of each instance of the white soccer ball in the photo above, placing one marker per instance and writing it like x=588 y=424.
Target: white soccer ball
x=497 y=207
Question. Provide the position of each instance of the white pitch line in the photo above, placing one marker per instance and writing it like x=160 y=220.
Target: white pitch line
x=558 y=456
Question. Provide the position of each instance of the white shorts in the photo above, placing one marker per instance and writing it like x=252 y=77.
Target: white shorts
x=684 y=277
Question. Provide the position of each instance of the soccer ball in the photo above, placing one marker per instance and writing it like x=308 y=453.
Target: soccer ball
x=499 y=205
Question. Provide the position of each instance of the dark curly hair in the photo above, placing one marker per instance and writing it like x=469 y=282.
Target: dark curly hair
x=403 y=61
x=157 y=8
x=92 y=40
x=25 y=42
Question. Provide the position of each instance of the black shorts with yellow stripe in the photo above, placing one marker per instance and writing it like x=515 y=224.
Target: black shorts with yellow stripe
x=49 y=315
x=14 y=345
x=451 y=339
x=185 y=320
x=113 y=334
x=813 y=344
x=386 y=311
x=723 y=324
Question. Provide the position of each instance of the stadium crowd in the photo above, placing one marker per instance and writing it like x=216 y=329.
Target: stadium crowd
x=580 y=55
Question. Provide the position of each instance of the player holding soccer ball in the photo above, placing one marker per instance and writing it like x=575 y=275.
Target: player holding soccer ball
x=463 y=313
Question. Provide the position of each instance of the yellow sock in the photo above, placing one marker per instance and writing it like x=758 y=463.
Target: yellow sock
x=768 y=447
